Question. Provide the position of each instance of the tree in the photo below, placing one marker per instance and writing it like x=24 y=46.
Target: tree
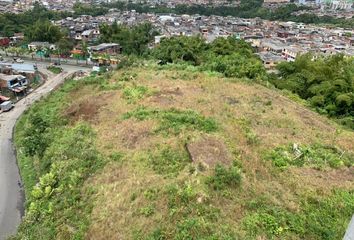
x=327 y=82
x=43 y=31
x=85 y=51
x=179 y=49
x=64 y=46
x=133 y=40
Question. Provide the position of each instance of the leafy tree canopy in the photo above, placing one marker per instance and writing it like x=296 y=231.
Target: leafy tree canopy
x=43 y=31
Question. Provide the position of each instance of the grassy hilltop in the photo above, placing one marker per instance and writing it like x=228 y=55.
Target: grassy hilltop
x=171 y=153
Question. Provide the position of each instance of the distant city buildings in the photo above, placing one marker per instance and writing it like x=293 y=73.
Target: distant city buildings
x=332 y=4
x=274 y=41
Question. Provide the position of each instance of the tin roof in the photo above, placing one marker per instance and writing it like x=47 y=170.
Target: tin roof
x=26 y=68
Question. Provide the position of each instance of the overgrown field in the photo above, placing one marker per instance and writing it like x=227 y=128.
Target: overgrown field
x=157 y=152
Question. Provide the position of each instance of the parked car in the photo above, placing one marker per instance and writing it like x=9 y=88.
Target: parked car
x=6 y=106
x=17 y=60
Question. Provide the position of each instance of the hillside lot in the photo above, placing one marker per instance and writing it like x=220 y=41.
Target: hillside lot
x=164 y=153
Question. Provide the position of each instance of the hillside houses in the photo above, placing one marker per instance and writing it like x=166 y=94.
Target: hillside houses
x=281 y=39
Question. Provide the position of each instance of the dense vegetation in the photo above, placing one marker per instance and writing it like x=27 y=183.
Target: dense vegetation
x=43 y=31
x=231 y=57
x=14 y=23
x=55 y=160
x=327 y=83
x=11 y=23
x=133 y=40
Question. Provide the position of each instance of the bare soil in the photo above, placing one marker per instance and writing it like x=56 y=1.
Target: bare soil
x=209 y=151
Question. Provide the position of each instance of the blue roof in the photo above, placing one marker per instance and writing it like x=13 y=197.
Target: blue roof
x=21 y=67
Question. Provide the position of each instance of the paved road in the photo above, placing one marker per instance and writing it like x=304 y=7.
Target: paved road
x=27 y=58
x=11 y=193
x=67 y=67
x=349 y=235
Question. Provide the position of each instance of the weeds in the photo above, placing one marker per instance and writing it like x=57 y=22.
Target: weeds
x=132 y=94
x=147 y=211
x=224 y=177
x=54 y=161
x=168 y=161
x=174 y=121
x=316 y=155
x=188 y=218
x=318 y=218
x=251 y=137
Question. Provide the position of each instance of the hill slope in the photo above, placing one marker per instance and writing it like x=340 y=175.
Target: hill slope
x=159 y=153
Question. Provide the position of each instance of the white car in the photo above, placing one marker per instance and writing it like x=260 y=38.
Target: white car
x=19 y=60
x=6 y=106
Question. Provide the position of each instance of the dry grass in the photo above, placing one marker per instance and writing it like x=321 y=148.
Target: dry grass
x=243 y=111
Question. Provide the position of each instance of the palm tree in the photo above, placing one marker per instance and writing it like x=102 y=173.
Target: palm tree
x=85 y=51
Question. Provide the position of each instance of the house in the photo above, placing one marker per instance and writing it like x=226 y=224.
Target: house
x=18 y=37
x=16 y=83
x=291 y=52
x=270 y=60
x=106 y=48
x=96 y=34
x=78 y=36
x=87 y=35
x=272 y=46
x=35 y=46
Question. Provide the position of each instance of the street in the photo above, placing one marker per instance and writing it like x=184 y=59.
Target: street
x=11 y=193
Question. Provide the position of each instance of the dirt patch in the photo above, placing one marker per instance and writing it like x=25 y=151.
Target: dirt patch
x=87 y=109
x=231 y=100
x=175 y=91
x=326 y=179
x=133 y=134
x=209 y=151
x=166 y=96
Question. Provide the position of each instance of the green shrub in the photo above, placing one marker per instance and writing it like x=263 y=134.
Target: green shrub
x=71 y=159
x=246 y=126
x=316 y=155
x=151 y=194
x=263 y=222
x=132 y=94
x=54 y=69
x=224 y=177
x=321 y=218
x=147 y=211
x=168 y=161
x=55 y=160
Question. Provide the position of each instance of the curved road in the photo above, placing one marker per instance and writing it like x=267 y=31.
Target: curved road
x=11 y=193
